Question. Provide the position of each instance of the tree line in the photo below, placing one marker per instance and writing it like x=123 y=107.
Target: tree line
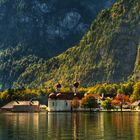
x=130 y=89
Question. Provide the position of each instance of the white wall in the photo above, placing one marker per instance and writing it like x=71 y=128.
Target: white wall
x=59 y=105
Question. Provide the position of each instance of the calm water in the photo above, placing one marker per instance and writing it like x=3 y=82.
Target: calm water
x=70 y=126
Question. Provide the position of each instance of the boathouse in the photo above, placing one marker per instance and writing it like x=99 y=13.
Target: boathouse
x=22 y=106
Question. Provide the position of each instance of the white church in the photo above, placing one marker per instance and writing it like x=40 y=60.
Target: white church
x=63 y=101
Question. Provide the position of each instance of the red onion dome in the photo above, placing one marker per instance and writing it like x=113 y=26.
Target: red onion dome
x=52 y=96
x=76 y=84
x=58 y=85
x=59 y=95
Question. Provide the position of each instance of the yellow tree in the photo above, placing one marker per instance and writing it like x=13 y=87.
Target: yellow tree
x=136 y=92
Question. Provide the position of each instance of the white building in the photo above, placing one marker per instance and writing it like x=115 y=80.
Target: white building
x=62 y=101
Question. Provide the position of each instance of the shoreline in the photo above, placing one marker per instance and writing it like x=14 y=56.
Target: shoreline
x=1 y=111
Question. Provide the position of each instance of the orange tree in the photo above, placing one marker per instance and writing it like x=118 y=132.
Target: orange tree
x=120 y=99
x=75 y=102
x=89 y=101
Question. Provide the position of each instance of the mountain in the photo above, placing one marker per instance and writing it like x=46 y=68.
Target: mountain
x=108 y=52
x=36 y=30
x=47 y=27
x=33 y=31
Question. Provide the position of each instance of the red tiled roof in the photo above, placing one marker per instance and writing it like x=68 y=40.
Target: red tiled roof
x=67 y=95
x=97 y=96
x=52 y=96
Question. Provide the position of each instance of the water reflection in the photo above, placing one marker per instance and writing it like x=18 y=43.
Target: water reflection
x=72 y=126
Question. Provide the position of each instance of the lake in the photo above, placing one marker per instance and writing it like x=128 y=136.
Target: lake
x=70 y=126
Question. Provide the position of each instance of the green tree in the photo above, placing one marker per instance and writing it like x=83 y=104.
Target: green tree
x=89 y=101
x=107 y=103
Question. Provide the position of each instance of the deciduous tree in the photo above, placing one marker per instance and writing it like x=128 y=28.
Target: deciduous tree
x=89 y=101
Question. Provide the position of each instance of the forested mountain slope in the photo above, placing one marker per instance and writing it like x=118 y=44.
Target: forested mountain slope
x=34 y=29
x=108 y=52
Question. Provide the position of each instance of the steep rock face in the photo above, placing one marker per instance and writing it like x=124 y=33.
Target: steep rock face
x=46 y=27
x=136 y=73
x=107 y=53
x=34 y=29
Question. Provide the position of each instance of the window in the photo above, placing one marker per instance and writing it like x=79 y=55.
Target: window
x=52 y=103
x=66 y=104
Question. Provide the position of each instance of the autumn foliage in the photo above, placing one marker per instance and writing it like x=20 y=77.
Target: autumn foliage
x=120 y=99
x=75 y=102
x=89 y=101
